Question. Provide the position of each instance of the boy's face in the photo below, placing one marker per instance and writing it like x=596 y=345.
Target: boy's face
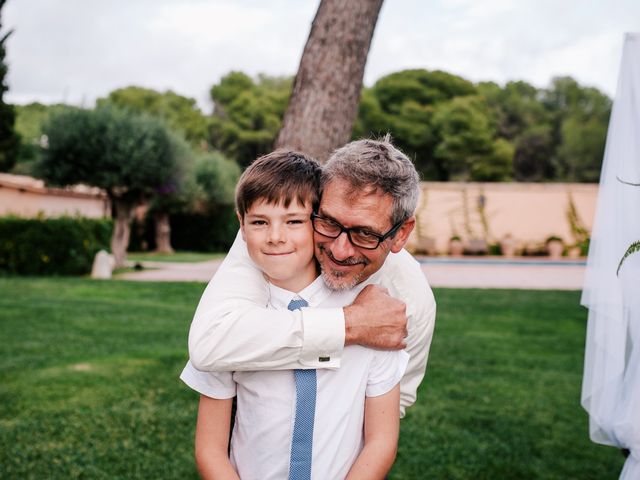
x=280 y=242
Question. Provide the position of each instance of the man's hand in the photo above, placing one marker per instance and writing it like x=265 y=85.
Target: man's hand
x=376 y=320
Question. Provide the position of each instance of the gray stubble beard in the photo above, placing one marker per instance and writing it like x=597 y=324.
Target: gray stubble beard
x=332 y=280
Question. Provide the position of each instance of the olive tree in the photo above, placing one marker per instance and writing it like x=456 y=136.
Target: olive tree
x=130 y=156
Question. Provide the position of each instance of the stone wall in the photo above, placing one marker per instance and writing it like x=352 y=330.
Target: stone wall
x=529 y=212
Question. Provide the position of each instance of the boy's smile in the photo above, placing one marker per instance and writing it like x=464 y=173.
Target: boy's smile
x=280 y=242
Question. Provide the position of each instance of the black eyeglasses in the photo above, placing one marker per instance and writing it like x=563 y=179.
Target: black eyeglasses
x=360 y=237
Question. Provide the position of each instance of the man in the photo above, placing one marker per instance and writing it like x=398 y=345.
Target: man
x=369 y=195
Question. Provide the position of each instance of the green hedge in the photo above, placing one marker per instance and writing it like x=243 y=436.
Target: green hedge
x=51 y=246
x=204 y=233
x=193 y=232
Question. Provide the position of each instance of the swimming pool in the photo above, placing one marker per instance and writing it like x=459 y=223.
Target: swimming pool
x=534 y=261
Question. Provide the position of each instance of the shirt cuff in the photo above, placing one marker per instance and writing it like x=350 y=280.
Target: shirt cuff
x=323 y=337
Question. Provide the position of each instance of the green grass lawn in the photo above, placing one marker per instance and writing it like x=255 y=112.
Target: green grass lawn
x=188 y=257
x=89 y=385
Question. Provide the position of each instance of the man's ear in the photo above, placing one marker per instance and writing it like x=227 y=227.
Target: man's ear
x=400 y=239
x=241 y=225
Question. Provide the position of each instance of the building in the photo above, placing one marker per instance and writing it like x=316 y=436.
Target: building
x=28 y=197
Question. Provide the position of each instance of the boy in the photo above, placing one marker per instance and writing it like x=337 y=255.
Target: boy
x=355 y=428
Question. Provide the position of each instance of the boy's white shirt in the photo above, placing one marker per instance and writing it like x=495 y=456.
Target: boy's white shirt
x=261 y=440
x=228 y=329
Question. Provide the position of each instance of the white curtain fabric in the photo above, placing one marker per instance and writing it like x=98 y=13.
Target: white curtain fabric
x=611 y=383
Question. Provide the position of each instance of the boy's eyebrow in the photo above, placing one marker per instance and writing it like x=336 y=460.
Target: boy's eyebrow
x=287 y=214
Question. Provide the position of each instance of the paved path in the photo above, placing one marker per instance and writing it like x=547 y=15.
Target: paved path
x=454 y=273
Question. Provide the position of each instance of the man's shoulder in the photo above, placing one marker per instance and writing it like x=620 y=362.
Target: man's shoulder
x=405 y=279
x=403 y=267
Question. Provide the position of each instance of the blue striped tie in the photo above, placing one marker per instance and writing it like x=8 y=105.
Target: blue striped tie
x=301 y=443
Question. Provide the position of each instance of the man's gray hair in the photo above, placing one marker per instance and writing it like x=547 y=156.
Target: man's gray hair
x=377 y=165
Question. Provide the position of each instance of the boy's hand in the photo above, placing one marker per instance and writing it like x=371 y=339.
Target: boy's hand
x=377 y=320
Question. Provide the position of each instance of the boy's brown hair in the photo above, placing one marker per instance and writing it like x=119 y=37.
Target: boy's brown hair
x=279 y=177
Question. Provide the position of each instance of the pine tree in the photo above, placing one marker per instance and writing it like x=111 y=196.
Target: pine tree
x=9 y=140
x=326 y=90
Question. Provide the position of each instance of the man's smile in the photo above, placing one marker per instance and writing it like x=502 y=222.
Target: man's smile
x=347 y=262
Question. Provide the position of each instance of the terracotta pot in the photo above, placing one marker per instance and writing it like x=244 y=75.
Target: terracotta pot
x=508 y=246
x=574 y=252
x=456 y=248
x=555 y=249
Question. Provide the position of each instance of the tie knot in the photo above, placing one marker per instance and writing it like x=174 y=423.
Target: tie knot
x=297 y=304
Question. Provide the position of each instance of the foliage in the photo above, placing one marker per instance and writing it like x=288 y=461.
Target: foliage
x=213 y=231
x=581 y=234
x=633 y=248
x=125 y=154
x=201 y=217
x=216 y=178
x=9 y=139
x=55 y=246
x=404 y=104
x=208 y=230
x=248 y=114
x=579 y=116
x=180 y=113
x=89 y=373
x=30 y=119
x=450 y=127
x=420 y=86
x=132 y=157
x=520 y=117
x=180 y=193
x=468 y=149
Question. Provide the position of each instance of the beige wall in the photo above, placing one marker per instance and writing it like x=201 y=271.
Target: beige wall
x=27 y=197
x=530 y=212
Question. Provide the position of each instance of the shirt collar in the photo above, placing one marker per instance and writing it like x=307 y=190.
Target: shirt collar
x=315 y=293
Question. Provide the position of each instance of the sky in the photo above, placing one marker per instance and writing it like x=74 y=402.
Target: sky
x=75 y=51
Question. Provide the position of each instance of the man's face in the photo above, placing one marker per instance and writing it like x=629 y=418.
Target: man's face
x=280 y=242
x=343 y=264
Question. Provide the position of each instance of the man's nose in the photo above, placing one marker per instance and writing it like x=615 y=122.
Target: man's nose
x=342 y=248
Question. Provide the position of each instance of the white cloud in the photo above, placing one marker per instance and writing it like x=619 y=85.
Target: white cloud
x=77 y=50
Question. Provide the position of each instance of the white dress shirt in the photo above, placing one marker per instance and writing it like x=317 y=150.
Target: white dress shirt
x=232 y=330
x=261 y=440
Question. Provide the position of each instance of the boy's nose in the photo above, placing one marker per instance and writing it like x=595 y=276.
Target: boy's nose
x=277 y=234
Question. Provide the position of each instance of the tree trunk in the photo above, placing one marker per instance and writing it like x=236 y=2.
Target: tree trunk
x=163 y=232
x=124 y=211
x=326 y=90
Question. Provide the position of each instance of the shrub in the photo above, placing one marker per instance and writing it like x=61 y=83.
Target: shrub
x=213 y=232
x=51 y=246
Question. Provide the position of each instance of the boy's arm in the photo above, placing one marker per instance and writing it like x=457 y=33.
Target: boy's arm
x=381 y=430
x=231 y=324
x=212 y=439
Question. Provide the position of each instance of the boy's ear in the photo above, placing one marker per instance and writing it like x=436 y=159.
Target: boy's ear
x=402 y=236
x=241 y=225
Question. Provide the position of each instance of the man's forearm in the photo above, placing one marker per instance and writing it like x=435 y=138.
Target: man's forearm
x=246 y=337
